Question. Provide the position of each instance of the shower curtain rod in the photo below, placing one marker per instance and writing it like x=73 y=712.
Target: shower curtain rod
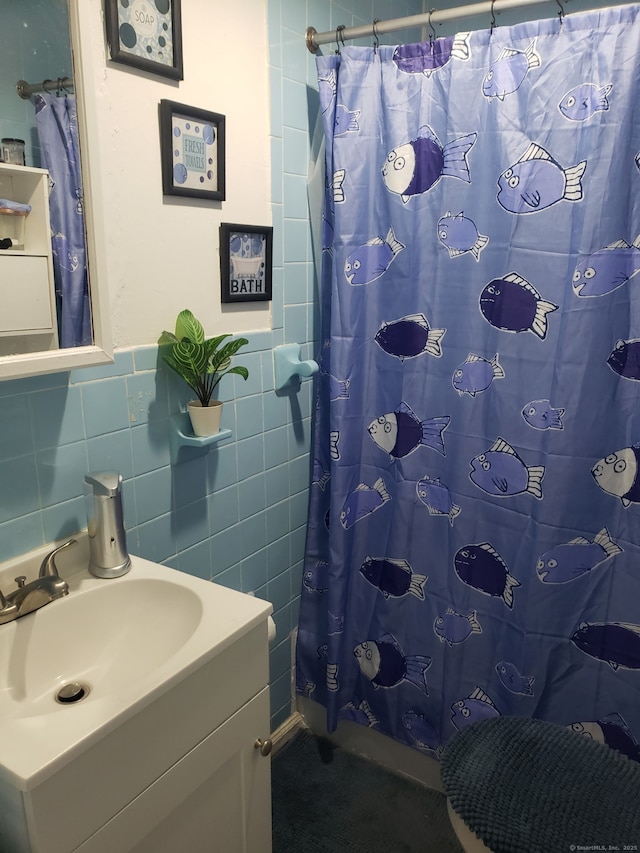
x=314 y=39
x=25 y=90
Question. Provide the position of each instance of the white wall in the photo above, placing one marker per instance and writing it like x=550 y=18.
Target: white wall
x=163 y=251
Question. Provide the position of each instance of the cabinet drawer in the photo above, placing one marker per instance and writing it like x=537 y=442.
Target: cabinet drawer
x=25 y=294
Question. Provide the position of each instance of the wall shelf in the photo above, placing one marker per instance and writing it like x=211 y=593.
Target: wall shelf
x=181 y=438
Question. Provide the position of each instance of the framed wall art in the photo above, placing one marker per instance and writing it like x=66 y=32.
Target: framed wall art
x=245 y=262
x=192 y=151
x=146 y=34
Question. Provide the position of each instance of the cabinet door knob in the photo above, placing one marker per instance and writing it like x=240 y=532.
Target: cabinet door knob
x=265 y=746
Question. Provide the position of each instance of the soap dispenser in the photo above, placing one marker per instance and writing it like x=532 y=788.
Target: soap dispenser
x=108 y=557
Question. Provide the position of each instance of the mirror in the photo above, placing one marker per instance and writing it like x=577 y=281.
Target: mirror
x=43 y=40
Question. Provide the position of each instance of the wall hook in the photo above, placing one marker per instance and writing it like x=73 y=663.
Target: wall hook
x=287 y=364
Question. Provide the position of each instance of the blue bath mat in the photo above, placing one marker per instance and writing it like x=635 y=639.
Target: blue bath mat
x=528 y=786
x=326 y=800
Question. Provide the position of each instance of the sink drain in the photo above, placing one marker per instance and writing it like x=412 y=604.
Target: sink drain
x=72 y=692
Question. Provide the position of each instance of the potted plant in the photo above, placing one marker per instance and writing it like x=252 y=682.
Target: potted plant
x=201 y=363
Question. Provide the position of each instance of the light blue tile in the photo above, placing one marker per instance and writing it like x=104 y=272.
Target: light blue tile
x=223 y=509
x=111 y=452
x=16 y=437
x=295 y=284
x=295 y=151
x=122 y=365
x=282 y=619
x=190 y=480
x=196 y=561
x=294 y=16
x=277 y=218
x=63 y=520
x=150 y=446
x=299 y=437
x=267 y=375
x=225 y=550
x=231 y=578
x=145 y=358
x=252 y=535
x=278 y=521
x=295 y=606
x=249 y=416
x=146 y=397
x=273 y=27
x=318 y=16
x=296 y=580
x=191 y=524
x=295 y=197
x=61 y=472
x=279 y=658
x=276 y=447
x=24 y=534
x=129 y=509
x=250 y=457
x=56 y=416
x=254 y=571
x=32 y=384
x=278 y=559
x=294 y=60
x=258 y=342
x=275 y=89
x=276 y=169
x=296 y=250
x=299 y=474
x=105 y=406
x=156 y=539
x=297 y=540
x=294 y=104
x=251 y=496
x=295 y=323
x=279 y=713
x=222 y=466
x=298 y=510
x=277 y=484
x=279 y=590
x=252 y=385
x=153 y=495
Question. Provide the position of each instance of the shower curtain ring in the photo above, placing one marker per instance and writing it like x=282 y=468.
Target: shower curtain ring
x=493 y=18
x=432 y=31
x=339 y=37
x=561 y=13
x=376 y=38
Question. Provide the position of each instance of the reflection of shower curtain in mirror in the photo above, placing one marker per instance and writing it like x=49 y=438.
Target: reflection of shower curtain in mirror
x=474 y=527
x=57 y=123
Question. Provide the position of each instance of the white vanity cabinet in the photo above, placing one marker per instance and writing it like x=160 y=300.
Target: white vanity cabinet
x=27 y=295
x=156 y=760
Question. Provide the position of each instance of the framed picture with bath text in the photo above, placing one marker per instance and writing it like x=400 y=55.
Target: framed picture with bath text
x=245 y=262
x=146 y=34
x=192 y=144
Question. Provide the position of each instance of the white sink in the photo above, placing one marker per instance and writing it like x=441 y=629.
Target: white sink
x=126 y=640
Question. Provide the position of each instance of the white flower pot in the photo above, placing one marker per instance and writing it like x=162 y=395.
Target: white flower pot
x=205 y=420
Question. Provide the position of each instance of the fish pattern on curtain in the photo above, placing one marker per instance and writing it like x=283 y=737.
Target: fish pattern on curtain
x=57 y=124
x=474 y=527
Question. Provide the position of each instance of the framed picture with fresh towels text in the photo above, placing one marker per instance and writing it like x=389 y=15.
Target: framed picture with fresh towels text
x=192 y=151
x=146 y=34
x=245 y=262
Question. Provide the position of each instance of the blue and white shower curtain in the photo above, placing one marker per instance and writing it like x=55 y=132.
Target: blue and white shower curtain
x=57 y=124
x=473 y=546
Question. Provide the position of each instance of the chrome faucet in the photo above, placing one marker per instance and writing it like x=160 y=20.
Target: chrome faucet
x=48 y=586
